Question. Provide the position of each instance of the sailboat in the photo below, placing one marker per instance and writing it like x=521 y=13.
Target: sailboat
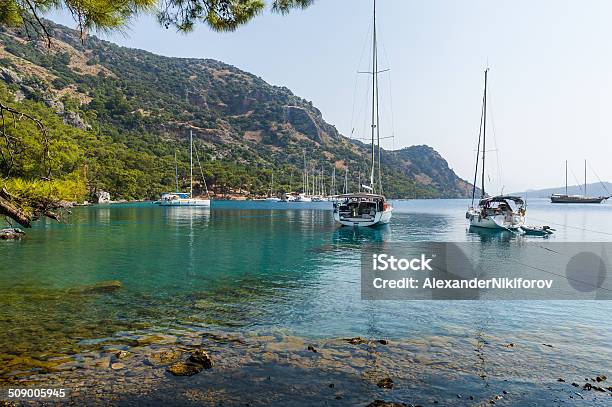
x=183 y=198
x=304 y=197
x=271 y=197
x=368 y=208
x=565 y=198
x=497 y=212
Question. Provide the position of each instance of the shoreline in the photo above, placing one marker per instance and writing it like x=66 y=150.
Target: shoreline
x=270 y=369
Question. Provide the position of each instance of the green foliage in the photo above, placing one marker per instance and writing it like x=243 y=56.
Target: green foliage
x=139 y=107
x=106 y=15
x=35 y=192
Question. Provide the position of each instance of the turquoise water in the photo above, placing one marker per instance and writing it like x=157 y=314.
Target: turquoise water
x=267 y=267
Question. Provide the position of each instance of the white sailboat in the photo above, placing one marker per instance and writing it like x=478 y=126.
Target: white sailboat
x=271 y=197
x=497 y=212
x=183 y=198
x=304 y=197
x=367 y=208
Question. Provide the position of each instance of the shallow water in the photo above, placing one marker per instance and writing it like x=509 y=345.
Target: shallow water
x=276 y=267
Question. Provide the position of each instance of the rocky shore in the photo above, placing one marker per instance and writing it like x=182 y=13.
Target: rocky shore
x=220 y=368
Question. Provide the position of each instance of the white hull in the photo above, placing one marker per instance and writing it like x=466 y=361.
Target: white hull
x=186 y=202
x=501 y=222
x=380 y=218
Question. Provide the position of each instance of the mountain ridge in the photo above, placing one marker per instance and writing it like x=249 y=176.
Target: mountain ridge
x=593 y=189
x=244 y=127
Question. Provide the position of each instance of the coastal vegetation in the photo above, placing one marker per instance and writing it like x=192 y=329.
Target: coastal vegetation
x=84 y=115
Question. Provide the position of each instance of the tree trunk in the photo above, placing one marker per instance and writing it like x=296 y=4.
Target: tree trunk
x=8 y=208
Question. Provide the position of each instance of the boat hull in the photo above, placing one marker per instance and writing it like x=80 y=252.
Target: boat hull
x=494 y=222
x=577 y=199
x=380 y=218
x=186 y=202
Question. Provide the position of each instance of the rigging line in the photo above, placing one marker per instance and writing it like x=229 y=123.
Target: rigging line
x=578 y=183
x=386 y=56
x=599 y=179
x=572 y=227
x=365 y=43
x=493 y=127
x=478 y=151
x=201 y=171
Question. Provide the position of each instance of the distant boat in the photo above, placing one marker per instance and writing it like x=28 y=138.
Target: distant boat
x=183 y=198
x=271 y=197
x=584 y=199
x=371 y=208
x=498 y=212
x=302 y=198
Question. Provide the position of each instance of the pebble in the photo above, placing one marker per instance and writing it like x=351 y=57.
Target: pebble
x=117 y=366
x=122 y=354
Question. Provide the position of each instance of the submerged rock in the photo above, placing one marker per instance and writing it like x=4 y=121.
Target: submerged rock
x=160 y=339
x=99 y=287
x=356 y=340
x=202 y=358
x=11 y=233
x=185 y=369
x=385 y=383
x=163 y=357
x=197 y=361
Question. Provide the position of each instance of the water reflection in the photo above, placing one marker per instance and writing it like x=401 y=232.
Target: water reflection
x=192 y=216
x=358 y=236
x=488 y=236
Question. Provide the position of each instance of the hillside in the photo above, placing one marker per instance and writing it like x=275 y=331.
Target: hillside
x=124 y=112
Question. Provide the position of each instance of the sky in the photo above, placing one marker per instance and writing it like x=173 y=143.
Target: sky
x=550 y=78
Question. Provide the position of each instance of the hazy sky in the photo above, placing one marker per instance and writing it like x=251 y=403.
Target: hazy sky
x=550 y=78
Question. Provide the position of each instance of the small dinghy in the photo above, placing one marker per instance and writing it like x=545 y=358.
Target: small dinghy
x=537 y=230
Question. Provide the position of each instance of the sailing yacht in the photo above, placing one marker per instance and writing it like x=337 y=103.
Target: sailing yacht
x=502 y=212
x=271 y=197
x=183 y=198
x=368 y=208
x=565 y=198
x=303 y=196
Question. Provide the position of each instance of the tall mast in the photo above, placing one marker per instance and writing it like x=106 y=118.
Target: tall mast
x=374 y=92
x=484 y=132
x=333 y=183
x=346 y=180
x=176 y=171
x=565 y=177
x=190 y=163
x=585 y=177
x=377 y=110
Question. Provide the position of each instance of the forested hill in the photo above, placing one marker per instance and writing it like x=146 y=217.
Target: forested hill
x=116 y=116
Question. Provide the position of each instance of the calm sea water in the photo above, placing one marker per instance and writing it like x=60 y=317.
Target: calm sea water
x=255 y=266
